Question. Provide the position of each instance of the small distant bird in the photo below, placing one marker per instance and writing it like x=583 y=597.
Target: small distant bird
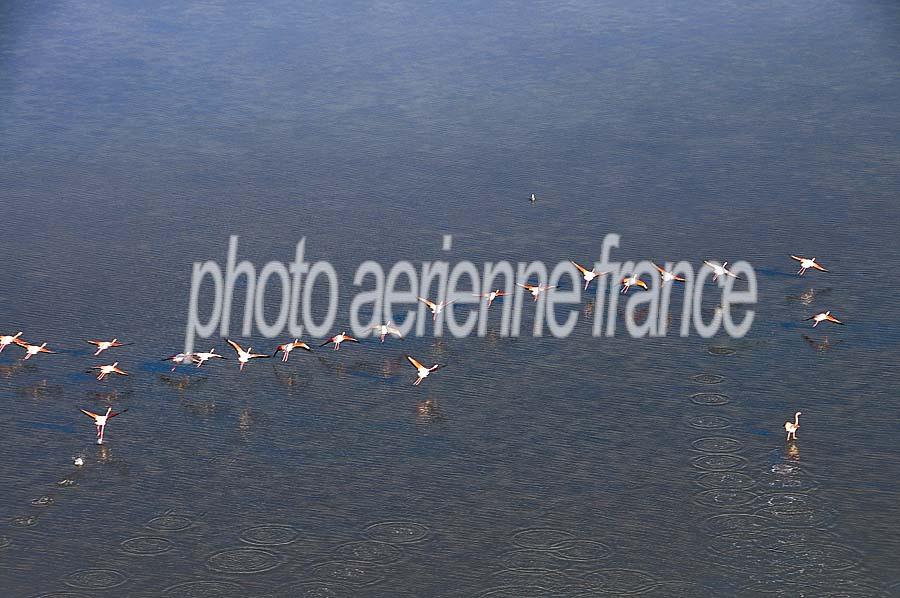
x=202 y=357
x=178 y=359
x=78 y=462
x=422 y=370
x=9 y=339
x=435 y=307
x=632 y=281
x=806 y=264
x=101 y=420
x=104 y=345
x=32 y=349
x=666 y=275
x=338 y=339
x=382 y=330
x=825 y=316
x=244 y=356
x=533 y=198
x=286 y=348
x=792 y=427
x=535 y=290
x=491 y=295
x=720 y=270
x=587 y=275
x=106 y=370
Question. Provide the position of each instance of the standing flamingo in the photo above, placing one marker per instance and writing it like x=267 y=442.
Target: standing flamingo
x=791 y=428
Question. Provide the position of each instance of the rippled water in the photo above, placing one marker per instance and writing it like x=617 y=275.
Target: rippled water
x=135 y=139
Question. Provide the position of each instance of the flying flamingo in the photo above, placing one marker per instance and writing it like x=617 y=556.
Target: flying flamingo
x=632 y=281
x=588 y=275
x=385 y=329
x=823 y=317
x=106 y=370
x=535 y=290
x=806 y=264
x=791 y=428
x=491 y=295
x=202 y=357
x=178 y=359
x=666 y=275
x=8 y=339
x=422 y=370
x=286 y=348
x=100 y=420
x=435 y=307
x=32 y=349
x=337 y=339
x=244 y=356
x=720 y=270
x=104 y=345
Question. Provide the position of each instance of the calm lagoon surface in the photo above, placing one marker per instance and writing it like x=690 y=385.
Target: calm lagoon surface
x=136 y=139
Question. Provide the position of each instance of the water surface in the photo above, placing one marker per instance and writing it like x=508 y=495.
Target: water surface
x=135 y=140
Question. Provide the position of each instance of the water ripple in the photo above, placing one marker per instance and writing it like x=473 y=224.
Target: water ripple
x=708 y=378
x=726 y=479
x=353 y=573
x=718 y=462
x=619 y=581
x=146 y=546
x=583 y=550
x=709 y=422
x=397 y=532
x=204 y=589
x=243 y=560
x=270 y=534
x=369 y=551
x=541 y=537
x=724 y=498
x=717 y=444
x=95 y=579
x=710 y=399
x=314 y=589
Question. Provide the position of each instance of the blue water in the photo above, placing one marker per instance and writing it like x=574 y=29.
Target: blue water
x=136 y=139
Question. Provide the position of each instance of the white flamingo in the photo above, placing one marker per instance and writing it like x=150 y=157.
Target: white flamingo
x=286 y=348
x=792 y=427
x=337 y=339
x=587 y=275
x=421 y=370
x=806 y=264
x=101 y=420
x=106 y=370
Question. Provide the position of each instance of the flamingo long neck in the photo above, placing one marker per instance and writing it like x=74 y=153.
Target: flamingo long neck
x=796 y=420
